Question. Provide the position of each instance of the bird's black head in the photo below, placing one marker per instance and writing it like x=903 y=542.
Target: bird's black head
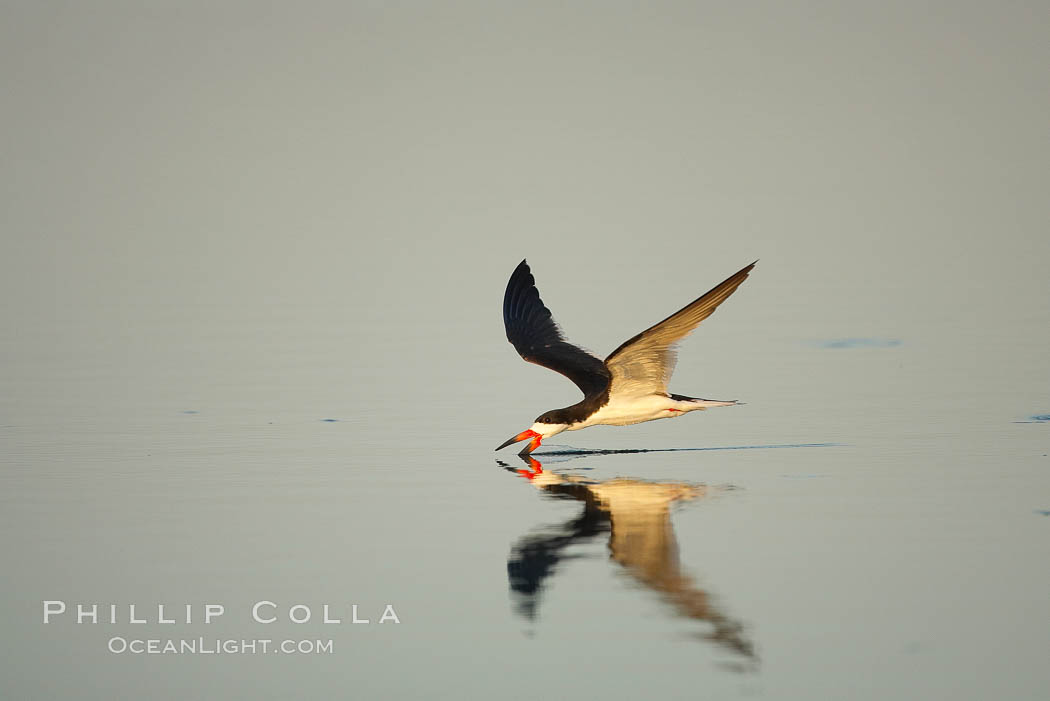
x=554 y=416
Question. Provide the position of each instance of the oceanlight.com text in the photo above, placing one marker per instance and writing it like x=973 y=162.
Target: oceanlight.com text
x=217 y=646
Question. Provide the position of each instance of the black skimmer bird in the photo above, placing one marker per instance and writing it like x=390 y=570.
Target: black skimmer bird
x=628 y=387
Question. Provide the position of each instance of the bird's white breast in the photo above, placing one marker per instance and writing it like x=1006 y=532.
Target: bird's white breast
x=632 y=410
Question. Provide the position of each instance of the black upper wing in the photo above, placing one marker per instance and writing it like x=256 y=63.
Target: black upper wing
x=534 y=334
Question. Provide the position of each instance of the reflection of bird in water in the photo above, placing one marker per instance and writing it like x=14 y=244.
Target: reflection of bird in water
x=637 y=514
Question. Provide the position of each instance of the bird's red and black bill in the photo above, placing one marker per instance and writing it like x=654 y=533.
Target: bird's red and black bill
x=524 y=435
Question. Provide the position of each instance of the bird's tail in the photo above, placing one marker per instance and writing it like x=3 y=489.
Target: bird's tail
x=699 y=403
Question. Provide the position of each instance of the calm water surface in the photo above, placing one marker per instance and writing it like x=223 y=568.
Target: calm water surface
x=828 y=537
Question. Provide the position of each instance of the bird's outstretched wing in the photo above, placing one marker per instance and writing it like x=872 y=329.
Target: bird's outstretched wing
x=644 y=364
x=537 y=338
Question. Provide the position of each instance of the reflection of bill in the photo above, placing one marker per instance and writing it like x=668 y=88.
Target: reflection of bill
x=637 y=514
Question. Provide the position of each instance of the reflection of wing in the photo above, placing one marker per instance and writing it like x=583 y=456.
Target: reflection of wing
x=644 y=364
x=535 y=557
x=534 y=334
x=642 y=541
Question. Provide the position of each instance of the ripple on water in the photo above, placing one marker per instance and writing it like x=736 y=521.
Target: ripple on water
x=860 y=343
x=1035 y=419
